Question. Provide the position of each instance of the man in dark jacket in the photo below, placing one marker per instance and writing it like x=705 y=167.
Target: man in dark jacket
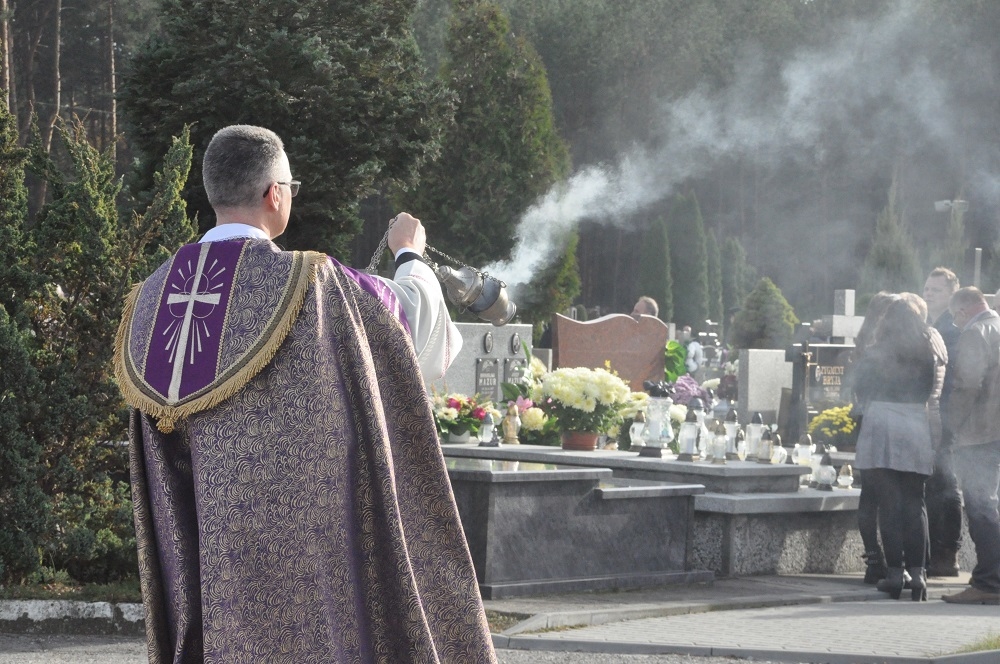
x=944 y=498
x=971 y=415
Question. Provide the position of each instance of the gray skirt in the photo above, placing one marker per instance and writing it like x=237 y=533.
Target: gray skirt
x=896 y=436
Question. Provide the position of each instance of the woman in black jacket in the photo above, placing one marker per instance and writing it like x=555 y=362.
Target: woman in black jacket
x=899 y=381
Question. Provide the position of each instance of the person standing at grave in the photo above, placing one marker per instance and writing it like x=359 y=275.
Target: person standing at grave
x=867 y=502
x=285 y=468
x=645 y=306
x=944 y=498
x=972 y=416
x=899 y=375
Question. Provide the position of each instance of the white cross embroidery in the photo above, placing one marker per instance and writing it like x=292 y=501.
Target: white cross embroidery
x=185 y=336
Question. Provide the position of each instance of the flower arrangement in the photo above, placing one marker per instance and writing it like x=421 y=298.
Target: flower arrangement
x=459 y=414
x=835 y=426
x=582 y=399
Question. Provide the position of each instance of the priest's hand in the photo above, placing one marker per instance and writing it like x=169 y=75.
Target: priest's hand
x=406 y=232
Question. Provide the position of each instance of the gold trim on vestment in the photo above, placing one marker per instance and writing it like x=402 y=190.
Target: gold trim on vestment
x=167 y=415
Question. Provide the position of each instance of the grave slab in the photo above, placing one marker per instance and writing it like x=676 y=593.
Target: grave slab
x=539 y=528
x=733 y=477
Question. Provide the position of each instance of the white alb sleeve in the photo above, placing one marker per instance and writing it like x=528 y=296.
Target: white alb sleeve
x=435 y=338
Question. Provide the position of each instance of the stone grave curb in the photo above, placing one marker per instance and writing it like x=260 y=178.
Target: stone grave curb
x=610 y=647
x=71 y=617
x=567 y=619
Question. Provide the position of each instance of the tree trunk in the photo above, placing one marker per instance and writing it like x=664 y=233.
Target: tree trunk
x=56 y=79
x=112 y=88
x=5 y=35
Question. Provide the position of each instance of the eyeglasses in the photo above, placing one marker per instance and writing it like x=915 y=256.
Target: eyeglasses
x=293 y=186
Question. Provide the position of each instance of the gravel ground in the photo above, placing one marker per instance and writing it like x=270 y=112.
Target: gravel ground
x=18 y=649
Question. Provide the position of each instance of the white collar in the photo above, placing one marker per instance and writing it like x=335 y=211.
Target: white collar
x=231 y=231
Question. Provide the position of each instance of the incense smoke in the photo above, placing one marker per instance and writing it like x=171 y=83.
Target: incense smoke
x=870 y=98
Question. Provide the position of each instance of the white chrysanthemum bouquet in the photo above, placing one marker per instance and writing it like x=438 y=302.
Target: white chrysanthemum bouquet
x=593 y=400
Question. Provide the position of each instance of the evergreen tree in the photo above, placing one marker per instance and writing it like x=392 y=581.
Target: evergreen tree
x=65 y=276
x=338 y=80
x=766 y=319
x=737 y=276
x=23 y=506
x=688 y=262
x=654 y=277
x=714 y=263
x=891 y=263
x=503 y=150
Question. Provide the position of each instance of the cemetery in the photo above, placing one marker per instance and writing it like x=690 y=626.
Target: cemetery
x=545 y=518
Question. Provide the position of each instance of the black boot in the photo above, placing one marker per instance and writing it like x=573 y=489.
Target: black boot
x=875 y=571
x=886 y=586
x=918 y=584
x=943 y=563
x=893 y=582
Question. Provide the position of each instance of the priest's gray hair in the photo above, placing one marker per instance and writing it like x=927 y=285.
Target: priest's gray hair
x=239 y=164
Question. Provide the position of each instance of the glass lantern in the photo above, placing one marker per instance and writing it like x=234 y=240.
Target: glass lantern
x=487 y=432
x=845 y=478
x=687 y=438
x=754 y=432
x=732 y=427
x=719 y=444
x=825 y=474
x=765 y=446
x=819 y=452
x=637 y=432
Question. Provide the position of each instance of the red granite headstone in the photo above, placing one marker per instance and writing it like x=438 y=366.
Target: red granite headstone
x=633 y=347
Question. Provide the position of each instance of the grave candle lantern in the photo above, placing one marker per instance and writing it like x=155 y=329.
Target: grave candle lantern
x=845 y=479
x=732 y=428
x=487 y=432
x=825 y=474
x=765 y=447
x=719 y=444
x=687 y=439
x=754 y=432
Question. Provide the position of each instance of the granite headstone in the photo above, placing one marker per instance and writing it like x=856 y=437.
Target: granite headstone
x=633 y=348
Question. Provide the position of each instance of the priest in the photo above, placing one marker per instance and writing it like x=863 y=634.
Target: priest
x=291 y=501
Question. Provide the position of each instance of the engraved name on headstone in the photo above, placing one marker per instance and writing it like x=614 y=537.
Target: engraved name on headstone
x=488 y=378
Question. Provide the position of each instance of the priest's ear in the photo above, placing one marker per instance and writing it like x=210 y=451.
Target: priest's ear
x=272 y=197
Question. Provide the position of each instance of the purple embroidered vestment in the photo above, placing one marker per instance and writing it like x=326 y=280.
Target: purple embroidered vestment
x=291 y=501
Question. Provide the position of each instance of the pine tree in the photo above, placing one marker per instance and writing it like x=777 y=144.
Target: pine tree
x=65 y=276
x=891 y=263
x=654 y=277
x=24 y=508
x=714 y=263
x=688 y=262
x=503 y=150
x=338 y=80
x=737 y=274
x=766 y=319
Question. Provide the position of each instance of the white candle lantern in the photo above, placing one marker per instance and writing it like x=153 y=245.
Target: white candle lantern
x=732 y=428
x=687 y=438
x=754 y=432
